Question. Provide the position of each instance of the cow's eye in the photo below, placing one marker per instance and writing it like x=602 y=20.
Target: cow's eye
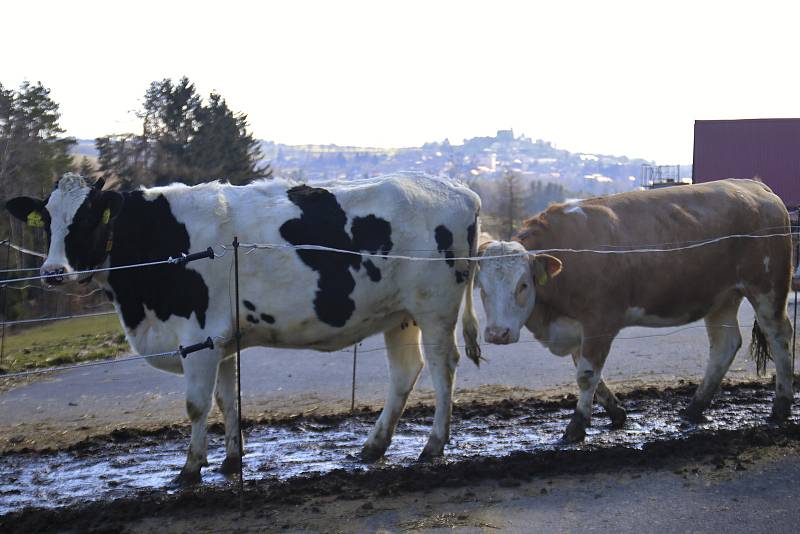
x=522 y=287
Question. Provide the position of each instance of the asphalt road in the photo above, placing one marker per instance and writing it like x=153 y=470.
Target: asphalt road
x=302 y=380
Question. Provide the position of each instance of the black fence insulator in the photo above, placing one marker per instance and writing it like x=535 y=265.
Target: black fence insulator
x=207 y=344
x=207 y=253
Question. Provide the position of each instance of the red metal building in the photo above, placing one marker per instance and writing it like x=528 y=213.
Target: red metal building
x=767 y=148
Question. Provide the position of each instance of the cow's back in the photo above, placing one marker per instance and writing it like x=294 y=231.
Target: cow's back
x=675 y=287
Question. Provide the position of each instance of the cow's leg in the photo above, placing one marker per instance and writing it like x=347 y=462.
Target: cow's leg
x=200 y=370
x=442 y=358
x=607 y=399
x=724 y=339
x=594 y=350
x=405 y=363
x=777 y=328
x=225 y=395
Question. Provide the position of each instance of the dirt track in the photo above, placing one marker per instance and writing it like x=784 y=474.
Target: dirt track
x=740 y=473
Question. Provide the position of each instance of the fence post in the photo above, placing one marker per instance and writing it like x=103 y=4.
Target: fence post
x=794 y=330
x=238 y=337
x=353 y=389
x=4 y=296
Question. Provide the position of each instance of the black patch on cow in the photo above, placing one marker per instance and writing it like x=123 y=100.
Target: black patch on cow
x=249 y=305
x=267 y=318
x=323 y=222
x=444 y=243
x=252 y=319
x=372 y=271
x=372 y=234
x=109 y=295
x=145 y=231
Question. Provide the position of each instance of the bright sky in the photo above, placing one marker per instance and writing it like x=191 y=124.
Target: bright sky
x=623 y=78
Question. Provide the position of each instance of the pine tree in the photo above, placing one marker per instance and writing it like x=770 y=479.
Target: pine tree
x=33 y=151
x=183 y=140
x=222 y=147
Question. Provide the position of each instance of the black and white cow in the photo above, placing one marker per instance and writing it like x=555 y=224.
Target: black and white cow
x=289 y=298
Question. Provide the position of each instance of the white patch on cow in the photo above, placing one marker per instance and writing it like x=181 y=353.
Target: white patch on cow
x=573 y=206
x=62 y=205
x=637 y=316
x=564 y=336
x=766 y=264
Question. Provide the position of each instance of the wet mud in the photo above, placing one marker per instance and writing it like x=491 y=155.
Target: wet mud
x=128 y=474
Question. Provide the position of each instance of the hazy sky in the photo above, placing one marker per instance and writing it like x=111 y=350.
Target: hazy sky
x=624 y=78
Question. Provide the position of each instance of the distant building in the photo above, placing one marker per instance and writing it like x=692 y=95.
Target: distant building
x=505 y=136
x=765 y=148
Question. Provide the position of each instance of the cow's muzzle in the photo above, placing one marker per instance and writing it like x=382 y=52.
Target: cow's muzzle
x=498 y=335
x=54 y=274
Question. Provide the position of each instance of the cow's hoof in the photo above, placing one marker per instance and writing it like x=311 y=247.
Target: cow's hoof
x=427 y=457
x=372 y=453
x=618 y=417
x=576 y=430
x=188 y=478
x=694 y=414
x=230 y=466
x=433 y=449
x=781 y=410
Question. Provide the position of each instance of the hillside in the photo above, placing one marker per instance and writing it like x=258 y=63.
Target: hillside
x=476 y=159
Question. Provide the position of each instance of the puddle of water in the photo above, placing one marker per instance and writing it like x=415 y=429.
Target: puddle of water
x=66 y=478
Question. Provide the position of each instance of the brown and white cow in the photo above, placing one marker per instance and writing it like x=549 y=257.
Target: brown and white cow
x=576 y=303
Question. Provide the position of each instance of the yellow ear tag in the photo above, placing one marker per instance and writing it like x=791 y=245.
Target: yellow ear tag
x=109 y=245
x=542 y=279
x=106 y=215
x=35 y=220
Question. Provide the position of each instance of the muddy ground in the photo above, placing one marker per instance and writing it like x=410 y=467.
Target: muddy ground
x=506 y=470
x=94 y=450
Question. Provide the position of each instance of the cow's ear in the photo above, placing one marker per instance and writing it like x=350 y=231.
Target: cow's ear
x=544 y=267
x=27 y=209
x=111 y=201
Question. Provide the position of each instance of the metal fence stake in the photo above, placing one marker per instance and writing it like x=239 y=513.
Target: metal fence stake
x=238 y=367
x=353 y=389
x=4 y=306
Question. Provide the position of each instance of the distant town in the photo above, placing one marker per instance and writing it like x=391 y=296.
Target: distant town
x=474 y=160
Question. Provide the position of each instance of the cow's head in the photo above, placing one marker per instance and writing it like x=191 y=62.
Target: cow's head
x=77 y=218
x=508 y=287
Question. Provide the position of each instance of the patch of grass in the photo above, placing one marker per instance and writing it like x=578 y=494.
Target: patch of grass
x=64 y=342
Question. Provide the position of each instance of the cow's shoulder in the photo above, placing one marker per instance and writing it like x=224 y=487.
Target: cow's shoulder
x=147 y=230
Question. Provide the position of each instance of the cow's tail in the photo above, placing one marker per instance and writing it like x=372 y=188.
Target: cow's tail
x=759 y=349
x=469 y=321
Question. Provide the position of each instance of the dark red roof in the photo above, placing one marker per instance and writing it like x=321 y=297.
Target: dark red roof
x=767 y=148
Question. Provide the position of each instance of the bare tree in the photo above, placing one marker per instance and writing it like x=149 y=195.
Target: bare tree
x=510 y=208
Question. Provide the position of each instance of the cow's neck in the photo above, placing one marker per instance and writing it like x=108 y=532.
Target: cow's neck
x=543 y=314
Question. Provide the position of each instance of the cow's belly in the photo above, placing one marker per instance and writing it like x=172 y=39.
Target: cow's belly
x=639 y=317
x=311 y=334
